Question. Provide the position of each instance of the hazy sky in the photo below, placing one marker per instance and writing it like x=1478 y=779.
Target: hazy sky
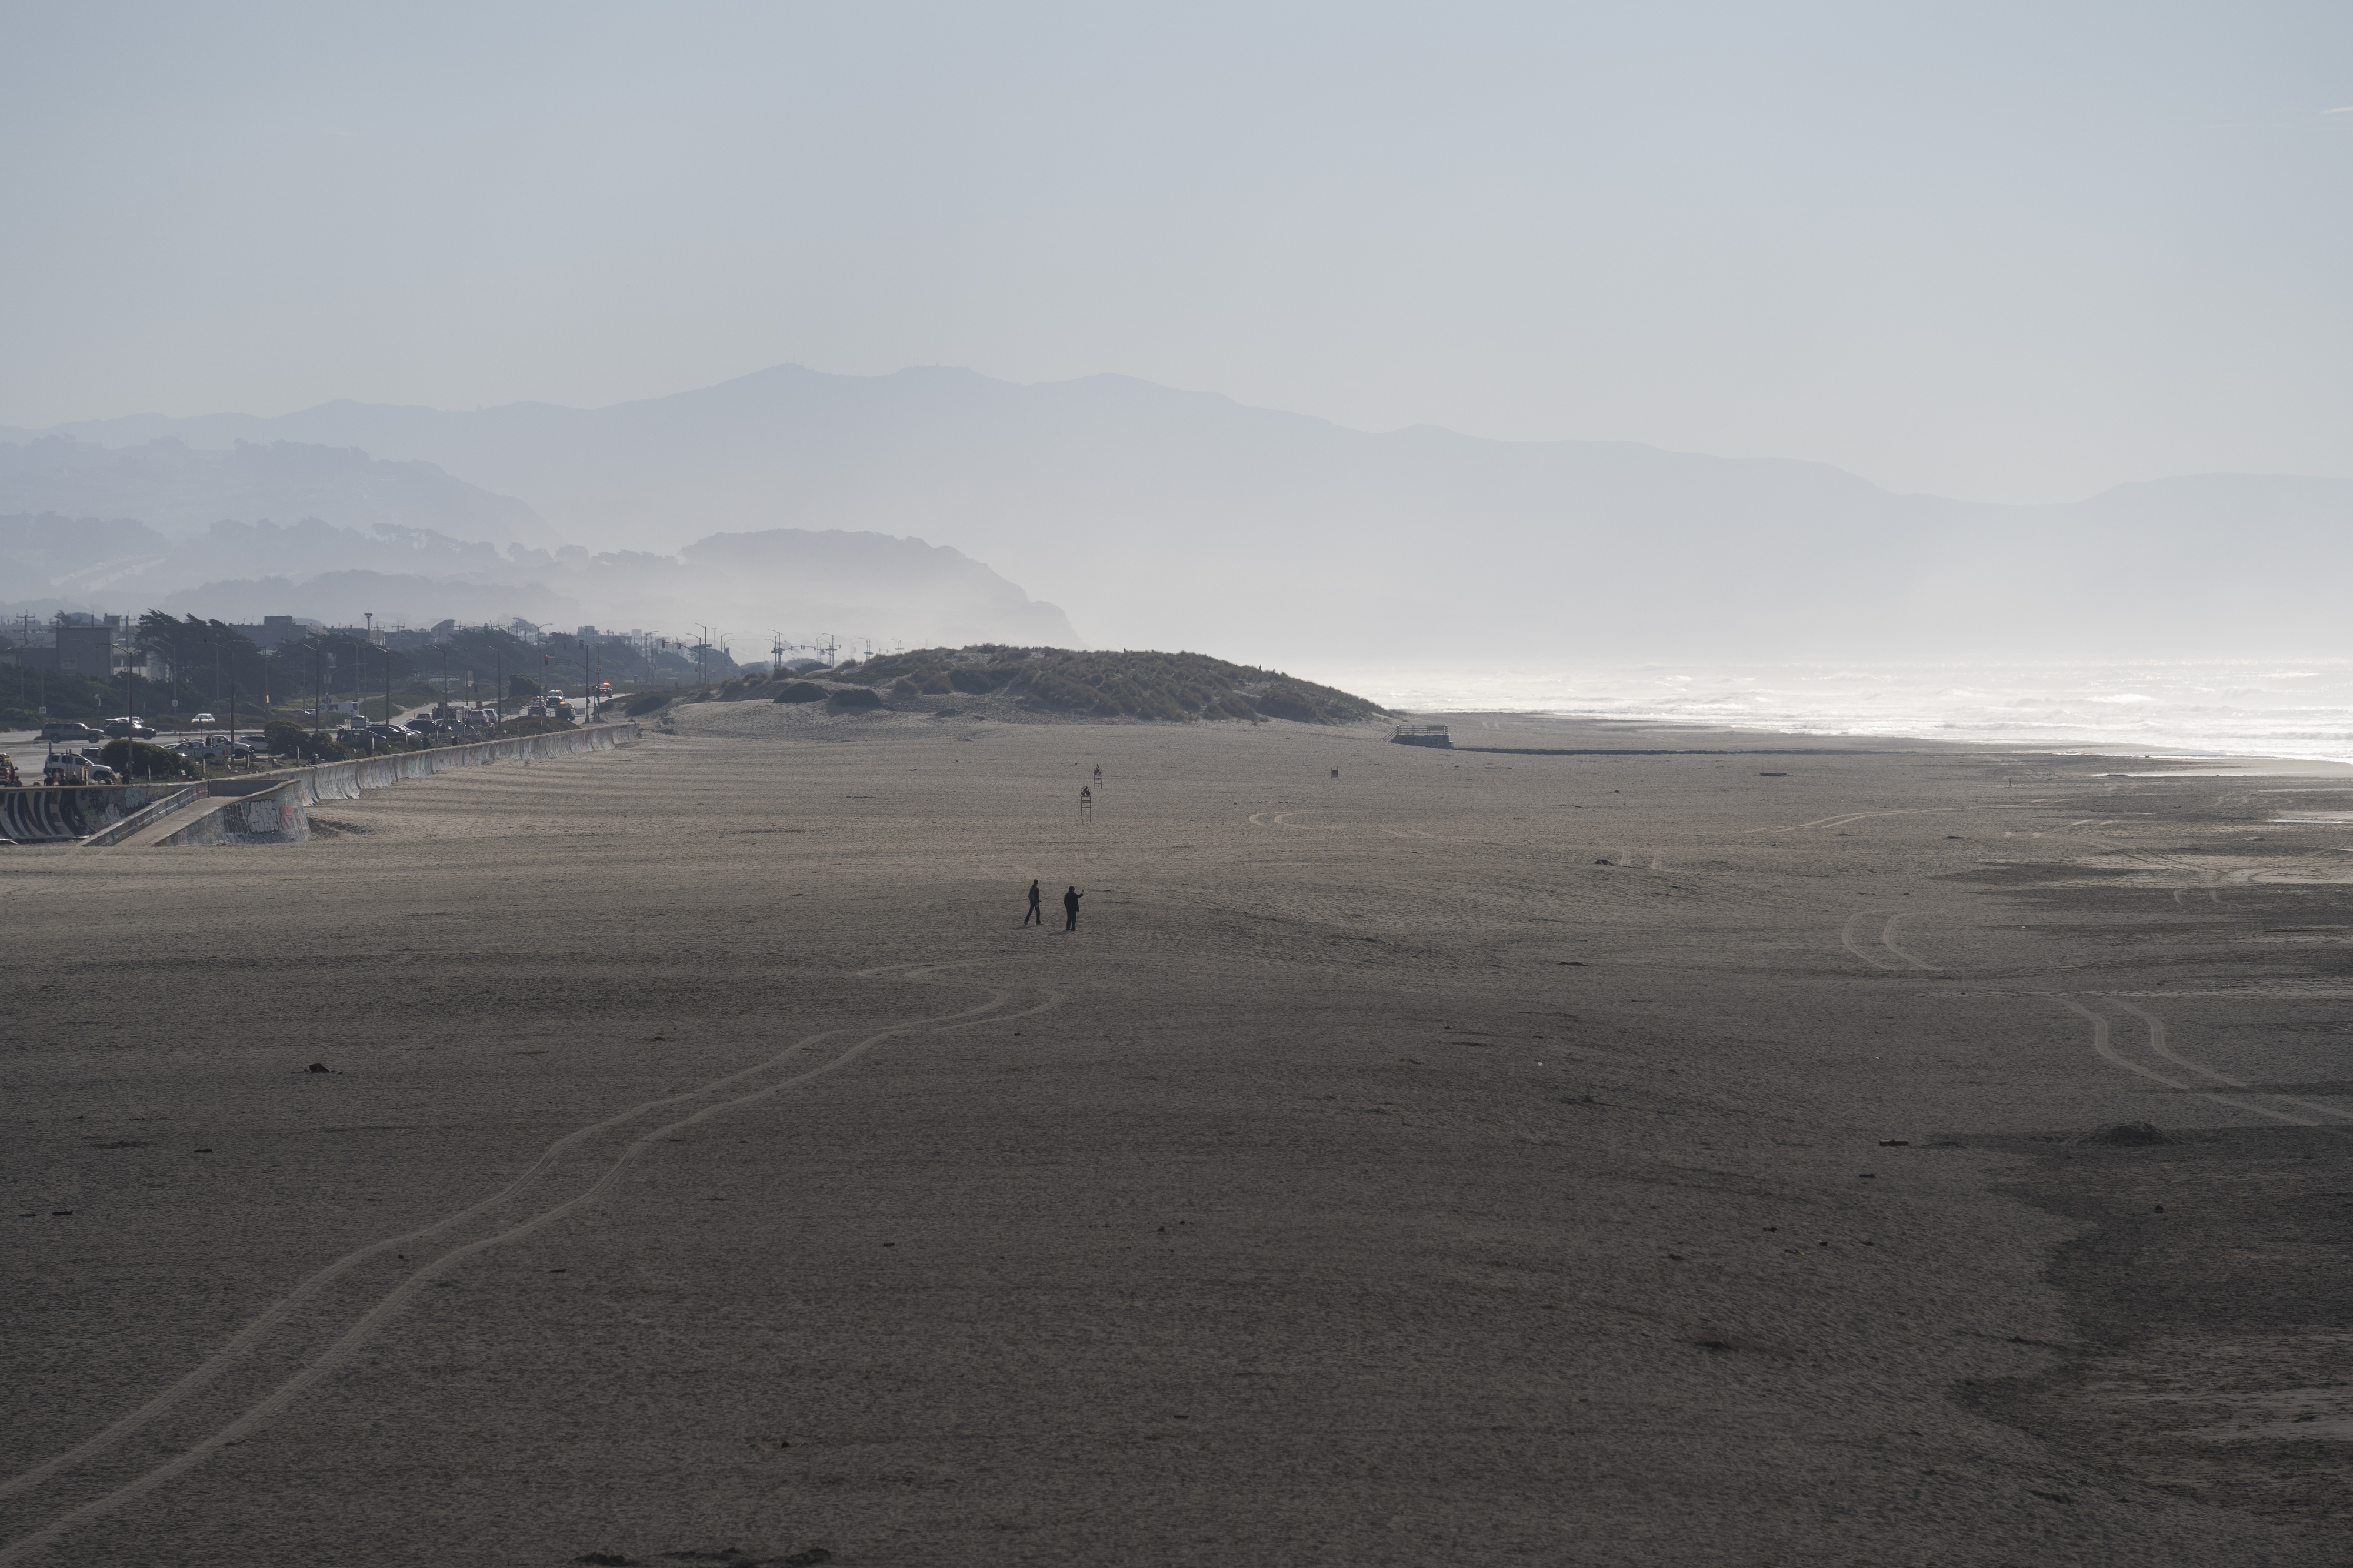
x=1999 y=251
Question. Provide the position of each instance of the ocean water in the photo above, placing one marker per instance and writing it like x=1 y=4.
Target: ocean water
x=2301 y=709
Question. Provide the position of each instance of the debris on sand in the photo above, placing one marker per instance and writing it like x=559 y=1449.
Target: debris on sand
x=607 y=1560
x=316 y=1066
x=2125 y=1134
x=1734 y=1344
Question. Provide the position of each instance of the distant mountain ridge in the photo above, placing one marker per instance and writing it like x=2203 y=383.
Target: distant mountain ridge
x=790 y=581
x=177 y=488
x=1180 y=519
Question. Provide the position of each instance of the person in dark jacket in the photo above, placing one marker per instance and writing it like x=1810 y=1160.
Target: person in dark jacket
x=1070 y=908
x=1036 y=912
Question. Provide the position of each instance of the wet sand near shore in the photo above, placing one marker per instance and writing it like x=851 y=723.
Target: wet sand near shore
x=1473 y=1157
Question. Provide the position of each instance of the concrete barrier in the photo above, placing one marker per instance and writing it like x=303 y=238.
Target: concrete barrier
x=275 y=815
x=344 y=781
x=64 y=813
x=101 y=814
x=145 y=815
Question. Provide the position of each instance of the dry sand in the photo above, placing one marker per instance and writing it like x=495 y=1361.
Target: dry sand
x=1473 y=1158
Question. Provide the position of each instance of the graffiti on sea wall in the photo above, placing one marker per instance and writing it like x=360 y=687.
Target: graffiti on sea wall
x=66 y=814
x=279 y=816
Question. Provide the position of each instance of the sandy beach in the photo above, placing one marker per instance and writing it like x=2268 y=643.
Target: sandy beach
x=1690 y=1154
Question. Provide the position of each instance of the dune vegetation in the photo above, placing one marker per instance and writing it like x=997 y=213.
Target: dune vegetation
x=1173 y=687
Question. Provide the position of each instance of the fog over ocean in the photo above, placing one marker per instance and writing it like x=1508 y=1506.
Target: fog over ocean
x=2294 y=708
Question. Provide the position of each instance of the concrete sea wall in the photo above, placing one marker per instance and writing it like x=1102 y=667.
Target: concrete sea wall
x=66 y=814
x=172 y=804
x=275 y=815
x=344 y=781
x=99 y=815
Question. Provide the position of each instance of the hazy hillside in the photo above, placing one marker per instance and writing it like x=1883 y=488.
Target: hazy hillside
x=785 y=580
x=1184 y=518
x=176 y=488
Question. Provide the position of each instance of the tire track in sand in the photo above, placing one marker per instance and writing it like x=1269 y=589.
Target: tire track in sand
x=1887 y=940
x=2158 y=1046
x=393 y=1301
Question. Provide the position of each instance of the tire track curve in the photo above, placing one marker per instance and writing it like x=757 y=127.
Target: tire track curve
x=2102 y=1044
x=1886 y=938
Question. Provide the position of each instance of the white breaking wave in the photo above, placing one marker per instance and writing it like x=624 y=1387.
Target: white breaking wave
x=2302 y=708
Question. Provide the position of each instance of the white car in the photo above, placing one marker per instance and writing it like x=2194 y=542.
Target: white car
x=201 y=720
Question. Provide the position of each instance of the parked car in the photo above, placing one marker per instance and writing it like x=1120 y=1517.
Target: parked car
x=72 y=768
x=69 y=729
x=536 y=710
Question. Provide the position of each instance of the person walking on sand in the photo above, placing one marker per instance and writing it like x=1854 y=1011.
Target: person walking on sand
x=1036 y=912
x=1070 y=908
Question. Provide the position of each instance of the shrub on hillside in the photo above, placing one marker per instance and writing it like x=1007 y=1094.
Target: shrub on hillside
x=977 y=682
x=802 y=692
x=291 y=741
x=138 y=759
x=1172 y=688
x=645 y=702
